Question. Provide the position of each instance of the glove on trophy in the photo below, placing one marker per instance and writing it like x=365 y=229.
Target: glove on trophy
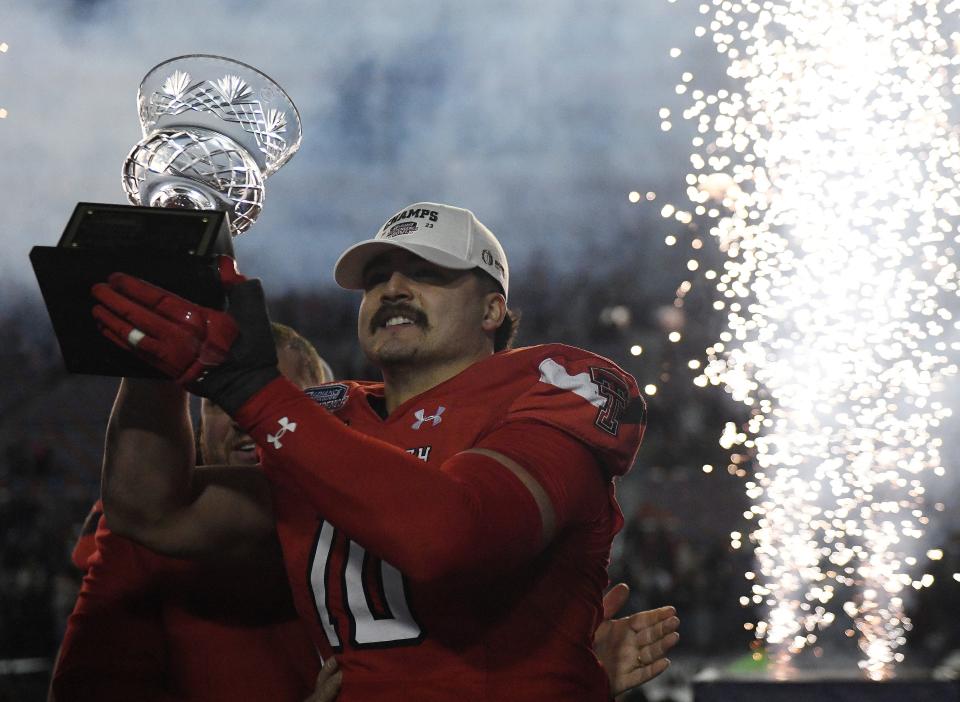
x=224 y=356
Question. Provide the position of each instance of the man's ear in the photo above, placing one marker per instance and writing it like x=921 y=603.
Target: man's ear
x=494 y=311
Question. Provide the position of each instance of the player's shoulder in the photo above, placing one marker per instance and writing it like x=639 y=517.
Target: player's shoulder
x=335 y=396
x=581 y=394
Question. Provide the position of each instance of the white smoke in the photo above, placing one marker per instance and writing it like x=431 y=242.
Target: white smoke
x=538 y=116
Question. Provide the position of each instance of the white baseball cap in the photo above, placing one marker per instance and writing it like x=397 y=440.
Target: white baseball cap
x=451 y=237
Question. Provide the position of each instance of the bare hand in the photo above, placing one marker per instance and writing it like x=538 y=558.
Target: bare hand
x=328 y=682
x=633 y=649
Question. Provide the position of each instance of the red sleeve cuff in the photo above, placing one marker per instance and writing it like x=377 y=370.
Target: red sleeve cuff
x=260 y=414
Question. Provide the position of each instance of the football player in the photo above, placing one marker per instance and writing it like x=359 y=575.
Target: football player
x=446 y=531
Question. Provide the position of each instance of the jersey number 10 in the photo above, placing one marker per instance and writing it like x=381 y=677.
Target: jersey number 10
x=368 y=628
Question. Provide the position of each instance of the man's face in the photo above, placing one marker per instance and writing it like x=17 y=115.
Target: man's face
x=222 y=441
x=415 y=312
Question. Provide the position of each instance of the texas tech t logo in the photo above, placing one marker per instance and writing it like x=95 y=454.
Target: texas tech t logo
x=611 y=387
x=601 y=387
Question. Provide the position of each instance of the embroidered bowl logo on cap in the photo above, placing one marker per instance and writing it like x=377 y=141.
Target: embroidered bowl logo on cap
x=400 y=229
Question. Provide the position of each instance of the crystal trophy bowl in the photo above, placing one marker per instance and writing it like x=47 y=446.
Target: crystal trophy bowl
x=214 y=130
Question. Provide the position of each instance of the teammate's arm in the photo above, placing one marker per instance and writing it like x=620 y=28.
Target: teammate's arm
x=148 y=453
x=153 y=493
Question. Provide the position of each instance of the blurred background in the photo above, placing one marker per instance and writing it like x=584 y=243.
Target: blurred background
x=549 y=121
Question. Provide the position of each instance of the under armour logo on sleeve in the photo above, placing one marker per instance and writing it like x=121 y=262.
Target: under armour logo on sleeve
x=285 y=426
x=435 y=419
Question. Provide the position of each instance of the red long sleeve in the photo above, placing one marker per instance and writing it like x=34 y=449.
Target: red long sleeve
x=389 y=501
x=114 y=646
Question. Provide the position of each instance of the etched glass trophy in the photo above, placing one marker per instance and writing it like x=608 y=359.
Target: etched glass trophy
x=214 y=130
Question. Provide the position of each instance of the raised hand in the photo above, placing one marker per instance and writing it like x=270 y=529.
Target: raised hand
x=633 y=649
x=226 y=356
x=180 y=338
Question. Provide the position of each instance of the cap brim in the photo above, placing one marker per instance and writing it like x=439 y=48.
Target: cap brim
x=348 y=271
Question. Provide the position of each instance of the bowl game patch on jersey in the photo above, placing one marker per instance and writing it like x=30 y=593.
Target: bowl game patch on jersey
x=332 y=396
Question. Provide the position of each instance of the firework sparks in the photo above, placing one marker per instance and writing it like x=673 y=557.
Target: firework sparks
x=831 y=185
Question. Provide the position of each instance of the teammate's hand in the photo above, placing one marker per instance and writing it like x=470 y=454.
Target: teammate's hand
x=328 y=683
x=226 y=356
x=633 y=649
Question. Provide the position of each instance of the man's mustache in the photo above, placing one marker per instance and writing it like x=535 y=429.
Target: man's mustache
x=389 y=310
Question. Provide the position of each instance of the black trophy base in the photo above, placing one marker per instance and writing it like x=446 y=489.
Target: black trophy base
x=826 y=691
x=173 y=249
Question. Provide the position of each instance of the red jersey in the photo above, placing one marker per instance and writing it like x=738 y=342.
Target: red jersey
x=480 y=635
x=148 y=627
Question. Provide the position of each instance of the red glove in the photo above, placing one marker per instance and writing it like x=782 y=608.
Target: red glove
x=226 y=356
x=180 y=338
